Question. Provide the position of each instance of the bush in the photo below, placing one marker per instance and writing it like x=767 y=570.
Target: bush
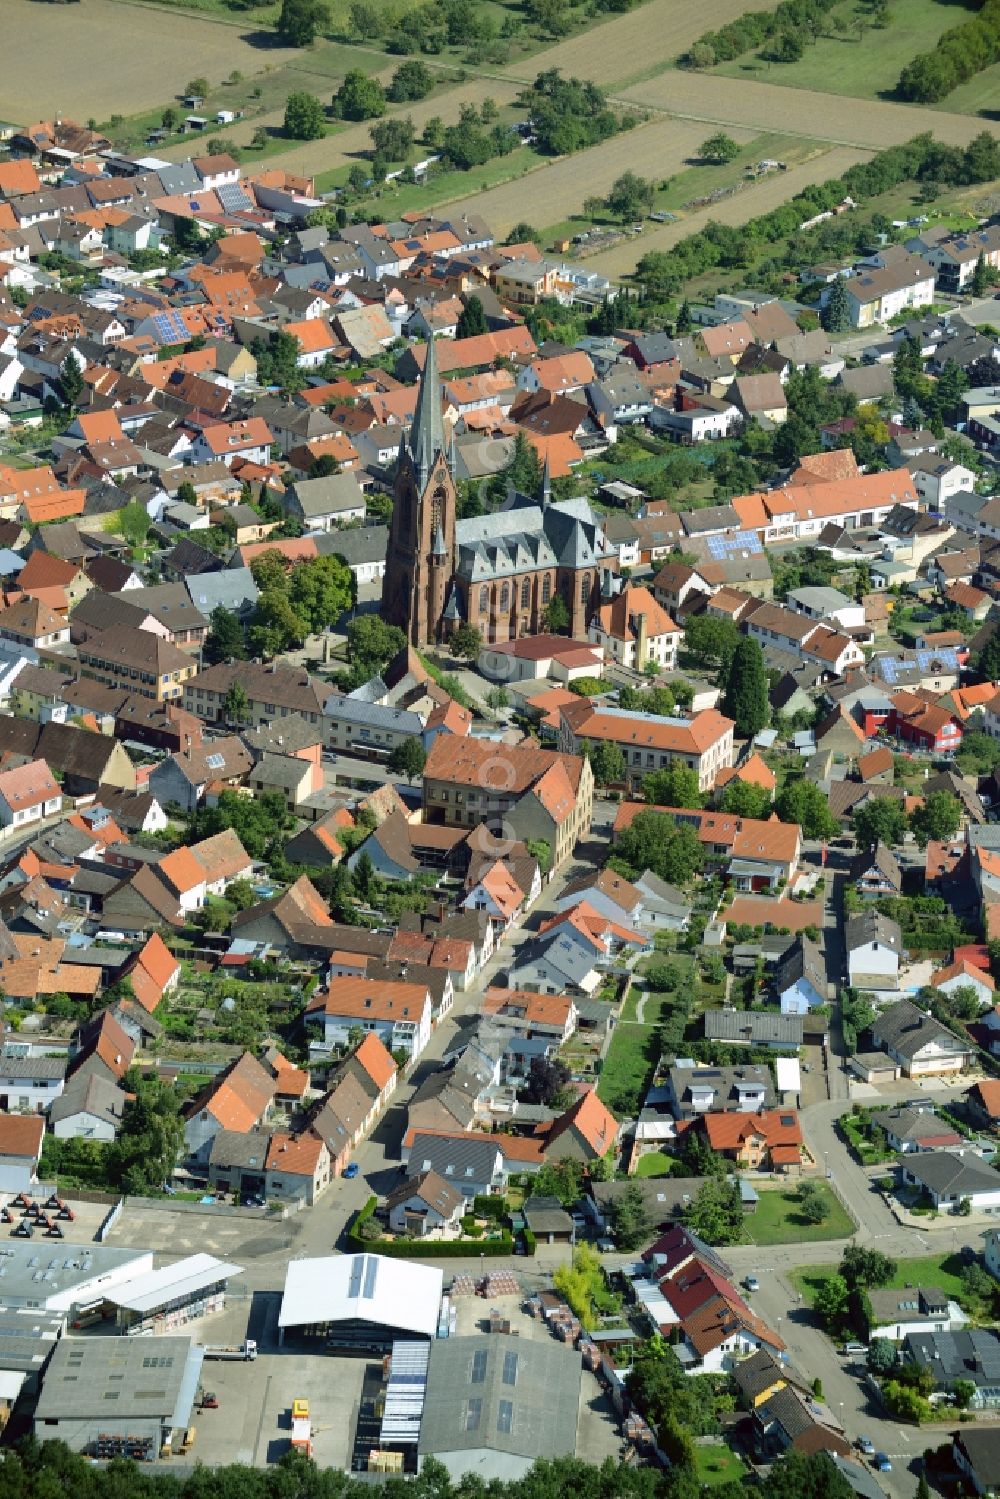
x=530 y=1242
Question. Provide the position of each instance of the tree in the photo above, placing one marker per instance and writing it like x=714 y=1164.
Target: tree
x=465 y=642
x=197 y=88
x=718 y=149
x=709 y=641
x=411 y=80
x=831 y=1303
x=866 y=1267
x=359 y=97
x=835 y=314
x=555 y=615
x=988 y=662
x=320 y=590
x=392 y=138
x=716 y=1214
x=746 y=696
x=170 y=118
x=630 y=197
x=980 y=277
x=746 y=800
x=939 y=818
x=236 y=704
x=630 y=1219
x=607 y=762
x=524 y=471
x=881 y=1355
x=145 y=1153
x=366 y=23
x=472 y=318
x=881 y=820
x=522 y=233
x=70 y=381
x=812 y=1204
x=304 y=117
x=259 y=139
x=676 y=785
x=133 y=523
x=407 y=759
x=654 y=841
x=372 y=644
x=546 y=1081
x=301 y=20
x=802 y=802
x=224 y=641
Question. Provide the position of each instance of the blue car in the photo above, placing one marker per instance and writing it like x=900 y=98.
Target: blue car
x=882 y=1463
x=351 y=1171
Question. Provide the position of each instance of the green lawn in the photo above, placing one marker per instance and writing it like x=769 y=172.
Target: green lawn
x=656 y=1163
x=862 y=66
x=778 y=1220
x=718 y=1464
x=943 y=1270
x=628 y=1068
x=446 y=187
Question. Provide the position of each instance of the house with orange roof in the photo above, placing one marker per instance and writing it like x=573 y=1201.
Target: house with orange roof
x=100 y=1048
x=154 y=972
x=923 y=724
x=983 y=1098
x=297 y=1167
x=753 y=771
x=800 y=511
x=520 y=1012
x=374 y=1068
x=291 y=1083
x=768 y=1141
x=21 y=1137
x=237 y=1099
x=398 y=1013
x=30 y=622
x=586 y=1132
x=226 y=441
x=184 y=877
x=966 y=975
x=636 y=631
x=316 y=341
x=704 y=742
x=561 y=374
x=498 y=894
x=27 y=794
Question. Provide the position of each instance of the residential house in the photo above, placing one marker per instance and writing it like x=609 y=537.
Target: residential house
x=297 y=1167
x=874 y=948
x=965 y=975
x=586 y=1132
x=756 y=1028
x=425 y=1206
x=975 y=1451
x=325 y=504
x=28 y=793
x=183 y=778
x=237 y=1099
x=800 y=979
x=908 y=1129
x=695 y=1090
x=30 y=1084
x=876 y=872
x=895 y=1314
x=758 y=1142
x=920 y=1045
x=703 y=743
x=634 y=630
x=968 y=1355
x=398 y=1013
x=90 y=1108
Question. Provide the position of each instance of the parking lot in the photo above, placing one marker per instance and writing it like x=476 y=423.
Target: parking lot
x=240 y=1237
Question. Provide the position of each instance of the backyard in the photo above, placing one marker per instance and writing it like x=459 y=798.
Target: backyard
x=716 y=1463
x=942 y=1270
x=779 y=1219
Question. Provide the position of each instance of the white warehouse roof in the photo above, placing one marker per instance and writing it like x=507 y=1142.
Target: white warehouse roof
x=172 y=1283
x=362 y=1287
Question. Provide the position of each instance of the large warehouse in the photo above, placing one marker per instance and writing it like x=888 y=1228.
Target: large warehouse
x=111 y=1396
x=359 y=1302
x=495 y=1404
x=56 y=1277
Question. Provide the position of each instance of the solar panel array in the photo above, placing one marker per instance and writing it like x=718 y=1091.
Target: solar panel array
x=722 y=547
x=170 y=327
x=925 y=661
x=233 y=197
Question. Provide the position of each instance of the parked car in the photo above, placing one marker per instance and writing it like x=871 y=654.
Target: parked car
x=867 y=1446
x=751 y=1283
x=850 y=1350
x=351 y=1170
x=882 y=1462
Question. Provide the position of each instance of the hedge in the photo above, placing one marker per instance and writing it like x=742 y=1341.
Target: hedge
x=354 y=1238
x=438 y=1249
x=530 y=1242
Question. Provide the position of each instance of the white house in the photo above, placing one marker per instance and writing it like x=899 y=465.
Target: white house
x=991 y=1251
x=28 y=793
x=966 y=975
x=398 y=1013
x=937 y=479
x=914 y=1309
x=951 y=1177
x=874 y=947
x=918 y=1043
x=635 y=631
x=877 y=293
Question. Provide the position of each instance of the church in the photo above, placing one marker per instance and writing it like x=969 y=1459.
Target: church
x=496 y=572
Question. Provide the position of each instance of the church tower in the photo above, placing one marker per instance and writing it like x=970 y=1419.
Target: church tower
x=421 y=557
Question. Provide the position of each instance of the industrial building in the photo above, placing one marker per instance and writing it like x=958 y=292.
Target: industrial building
x=359 y=1302
x=167 y=1299
x=59 y=1277
x=27 y=1338
x=495 y=1403
x=118 y=1396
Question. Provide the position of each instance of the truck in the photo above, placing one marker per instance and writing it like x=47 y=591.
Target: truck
x=302 y=1435
x=235 y=1351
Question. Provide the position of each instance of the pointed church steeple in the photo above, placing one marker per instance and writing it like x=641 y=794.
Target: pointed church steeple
x=427 y=432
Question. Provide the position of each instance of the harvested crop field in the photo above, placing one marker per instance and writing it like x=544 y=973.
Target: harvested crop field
x=634 y=44
x=769 y=193
x=556 y=192
x=868 y=123
x=104 y=58
x=343 y=147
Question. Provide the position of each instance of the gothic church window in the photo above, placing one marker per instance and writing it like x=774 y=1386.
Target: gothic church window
x=526 y=594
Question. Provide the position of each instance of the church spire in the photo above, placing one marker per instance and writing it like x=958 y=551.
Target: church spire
x=427 y=432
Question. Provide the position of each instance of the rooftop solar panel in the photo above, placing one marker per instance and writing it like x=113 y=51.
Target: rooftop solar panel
x=354 y=1285
x=371 y=1271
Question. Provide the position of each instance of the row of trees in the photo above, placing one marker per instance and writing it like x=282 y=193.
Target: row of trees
x=885 y=820
x=783 y=32
x=725 y=246
x=958 y=55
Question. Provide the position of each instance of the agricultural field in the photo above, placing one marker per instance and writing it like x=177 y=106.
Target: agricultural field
x=760 y=197
x=103 y=58
x=636 y=44
x=865 y=65
x=555 y=191
x=869 y=124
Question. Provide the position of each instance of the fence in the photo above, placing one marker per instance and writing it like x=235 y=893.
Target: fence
x=110 y=1219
